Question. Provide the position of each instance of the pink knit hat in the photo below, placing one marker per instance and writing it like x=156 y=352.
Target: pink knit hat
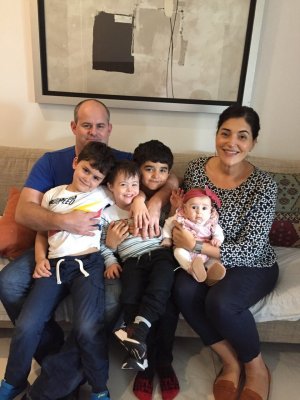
x=197 y=192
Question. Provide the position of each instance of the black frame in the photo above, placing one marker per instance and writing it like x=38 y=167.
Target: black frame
x=161 y=103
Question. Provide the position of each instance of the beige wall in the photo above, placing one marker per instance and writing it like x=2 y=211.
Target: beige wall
x=276 y=94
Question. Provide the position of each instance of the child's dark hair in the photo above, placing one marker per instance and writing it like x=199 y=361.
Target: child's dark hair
x=154 y=151
x=238 y=111
x=99 y=155
x=127 y=167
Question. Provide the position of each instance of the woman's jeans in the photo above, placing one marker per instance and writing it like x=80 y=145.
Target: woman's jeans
x=222 y=311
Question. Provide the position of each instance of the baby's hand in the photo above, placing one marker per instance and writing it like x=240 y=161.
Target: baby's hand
x=42 y=269
x=167 y=242
x=215 y=242
x=176 y=198
x=113 y=271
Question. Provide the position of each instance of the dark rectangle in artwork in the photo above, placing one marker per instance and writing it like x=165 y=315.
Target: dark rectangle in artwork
x=112 y=44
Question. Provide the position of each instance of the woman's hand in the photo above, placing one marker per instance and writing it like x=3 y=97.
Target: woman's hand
x=116 y=233
x=215 y=242
x=182 y=237
x=42 y=269
x=113 y=271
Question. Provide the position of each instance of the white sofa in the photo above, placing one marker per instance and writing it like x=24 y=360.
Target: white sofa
x=277 y=315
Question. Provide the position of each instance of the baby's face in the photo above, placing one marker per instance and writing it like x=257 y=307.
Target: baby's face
x=198 y=209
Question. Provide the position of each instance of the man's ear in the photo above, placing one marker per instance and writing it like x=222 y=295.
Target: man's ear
x=73 y=127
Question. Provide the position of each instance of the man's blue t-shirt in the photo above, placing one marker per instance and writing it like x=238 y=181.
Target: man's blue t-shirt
x=55 y=168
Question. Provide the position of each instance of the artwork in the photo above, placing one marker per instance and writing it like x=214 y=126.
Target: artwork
x=165 y=53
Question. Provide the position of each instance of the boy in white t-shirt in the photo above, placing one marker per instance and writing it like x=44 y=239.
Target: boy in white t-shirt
x=69 y=263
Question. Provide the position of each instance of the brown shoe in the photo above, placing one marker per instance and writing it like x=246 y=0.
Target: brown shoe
x=224 y=389
x=215 y=273
x=198 y=270
x=249 y=394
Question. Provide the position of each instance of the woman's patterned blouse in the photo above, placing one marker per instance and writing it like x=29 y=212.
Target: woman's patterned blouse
x=246 y=215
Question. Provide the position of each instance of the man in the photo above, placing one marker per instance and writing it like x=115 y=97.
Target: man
x=91 y=123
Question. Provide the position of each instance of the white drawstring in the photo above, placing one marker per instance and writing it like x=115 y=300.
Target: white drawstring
x=57 y=270
x=82 y=270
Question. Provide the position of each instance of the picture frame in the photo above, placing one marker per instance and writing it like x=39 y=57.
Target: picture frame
x=169 y=55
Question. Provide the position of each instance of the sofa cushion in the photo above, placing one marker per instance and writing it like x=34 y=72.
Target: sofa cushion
x=285 y=230
x=14 y=237
x=283 y=303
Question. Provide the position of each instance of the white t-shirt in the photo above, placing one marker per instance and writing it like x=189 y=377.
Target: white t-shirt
x=61 y=200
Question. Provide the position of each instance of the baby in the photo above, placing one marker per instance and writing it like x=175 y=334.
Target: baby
x=198 y=215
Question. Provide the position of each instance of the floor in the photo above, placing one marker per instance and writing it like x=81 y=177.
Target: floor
x=196 y=368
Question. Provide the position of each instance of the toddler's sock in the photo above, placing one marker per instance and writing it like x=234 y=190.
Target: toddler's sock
x=168 y=381
x=143 y=385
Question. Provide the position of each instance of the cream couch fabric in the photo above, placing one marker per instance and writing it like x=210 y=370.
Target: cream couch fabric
x=277 y=316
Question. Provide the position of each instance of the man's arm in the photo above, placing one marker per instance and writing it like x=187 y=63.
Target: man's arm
x=29 y=212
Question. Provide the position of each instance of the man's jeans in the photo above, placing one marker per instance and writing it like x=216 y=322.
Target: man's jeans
x=15 y=283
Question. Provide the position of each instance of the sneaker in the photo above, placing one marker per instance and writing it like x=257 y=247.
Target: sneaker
x=136 y=349
x=9 y=392
x=132 y=363
x=100 y=396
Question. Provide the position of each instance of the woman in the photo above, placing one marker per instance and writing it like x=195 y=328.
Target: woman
x=220 y=314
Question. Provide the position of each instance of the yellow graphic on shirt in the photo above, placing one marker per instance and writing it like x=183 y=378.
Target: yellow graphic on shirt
x=87 y=208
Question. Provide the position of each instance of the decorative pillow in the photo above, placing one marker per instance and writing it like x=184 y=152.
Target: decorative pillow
x=14 y=238
x=285 y=230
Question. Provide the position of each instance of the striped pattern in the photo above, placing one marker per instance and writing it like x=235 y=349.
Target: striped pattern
x=133 y=246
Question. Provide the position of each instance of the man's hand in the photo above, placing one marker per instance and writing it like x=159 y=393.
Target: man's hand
x=30 y=213
x=182 y=237
x=116 y=233
x=42 y=269
x=113 y=271
x=79 y=222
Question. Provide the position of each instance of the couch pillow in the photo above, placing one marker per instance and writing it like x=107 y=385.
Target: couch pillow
x=283 y=303
x=14 y=238
x=285 y=231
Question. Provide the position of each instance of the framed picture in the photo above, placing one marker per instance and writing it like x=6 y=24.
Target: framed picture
x=186 y=55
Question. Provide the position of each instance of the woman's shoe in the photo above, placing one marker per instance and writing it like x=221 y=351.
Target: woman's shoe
x=224 y=389
x=249 y=394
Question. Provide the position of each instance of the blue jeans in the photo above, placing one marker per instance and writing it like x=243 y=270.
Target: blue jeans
x=222 y=311
x=87 y=295
x=15 y=284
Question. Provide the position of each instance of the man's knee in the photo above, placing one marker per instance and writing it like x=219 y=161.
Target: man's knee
x=16 y=276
